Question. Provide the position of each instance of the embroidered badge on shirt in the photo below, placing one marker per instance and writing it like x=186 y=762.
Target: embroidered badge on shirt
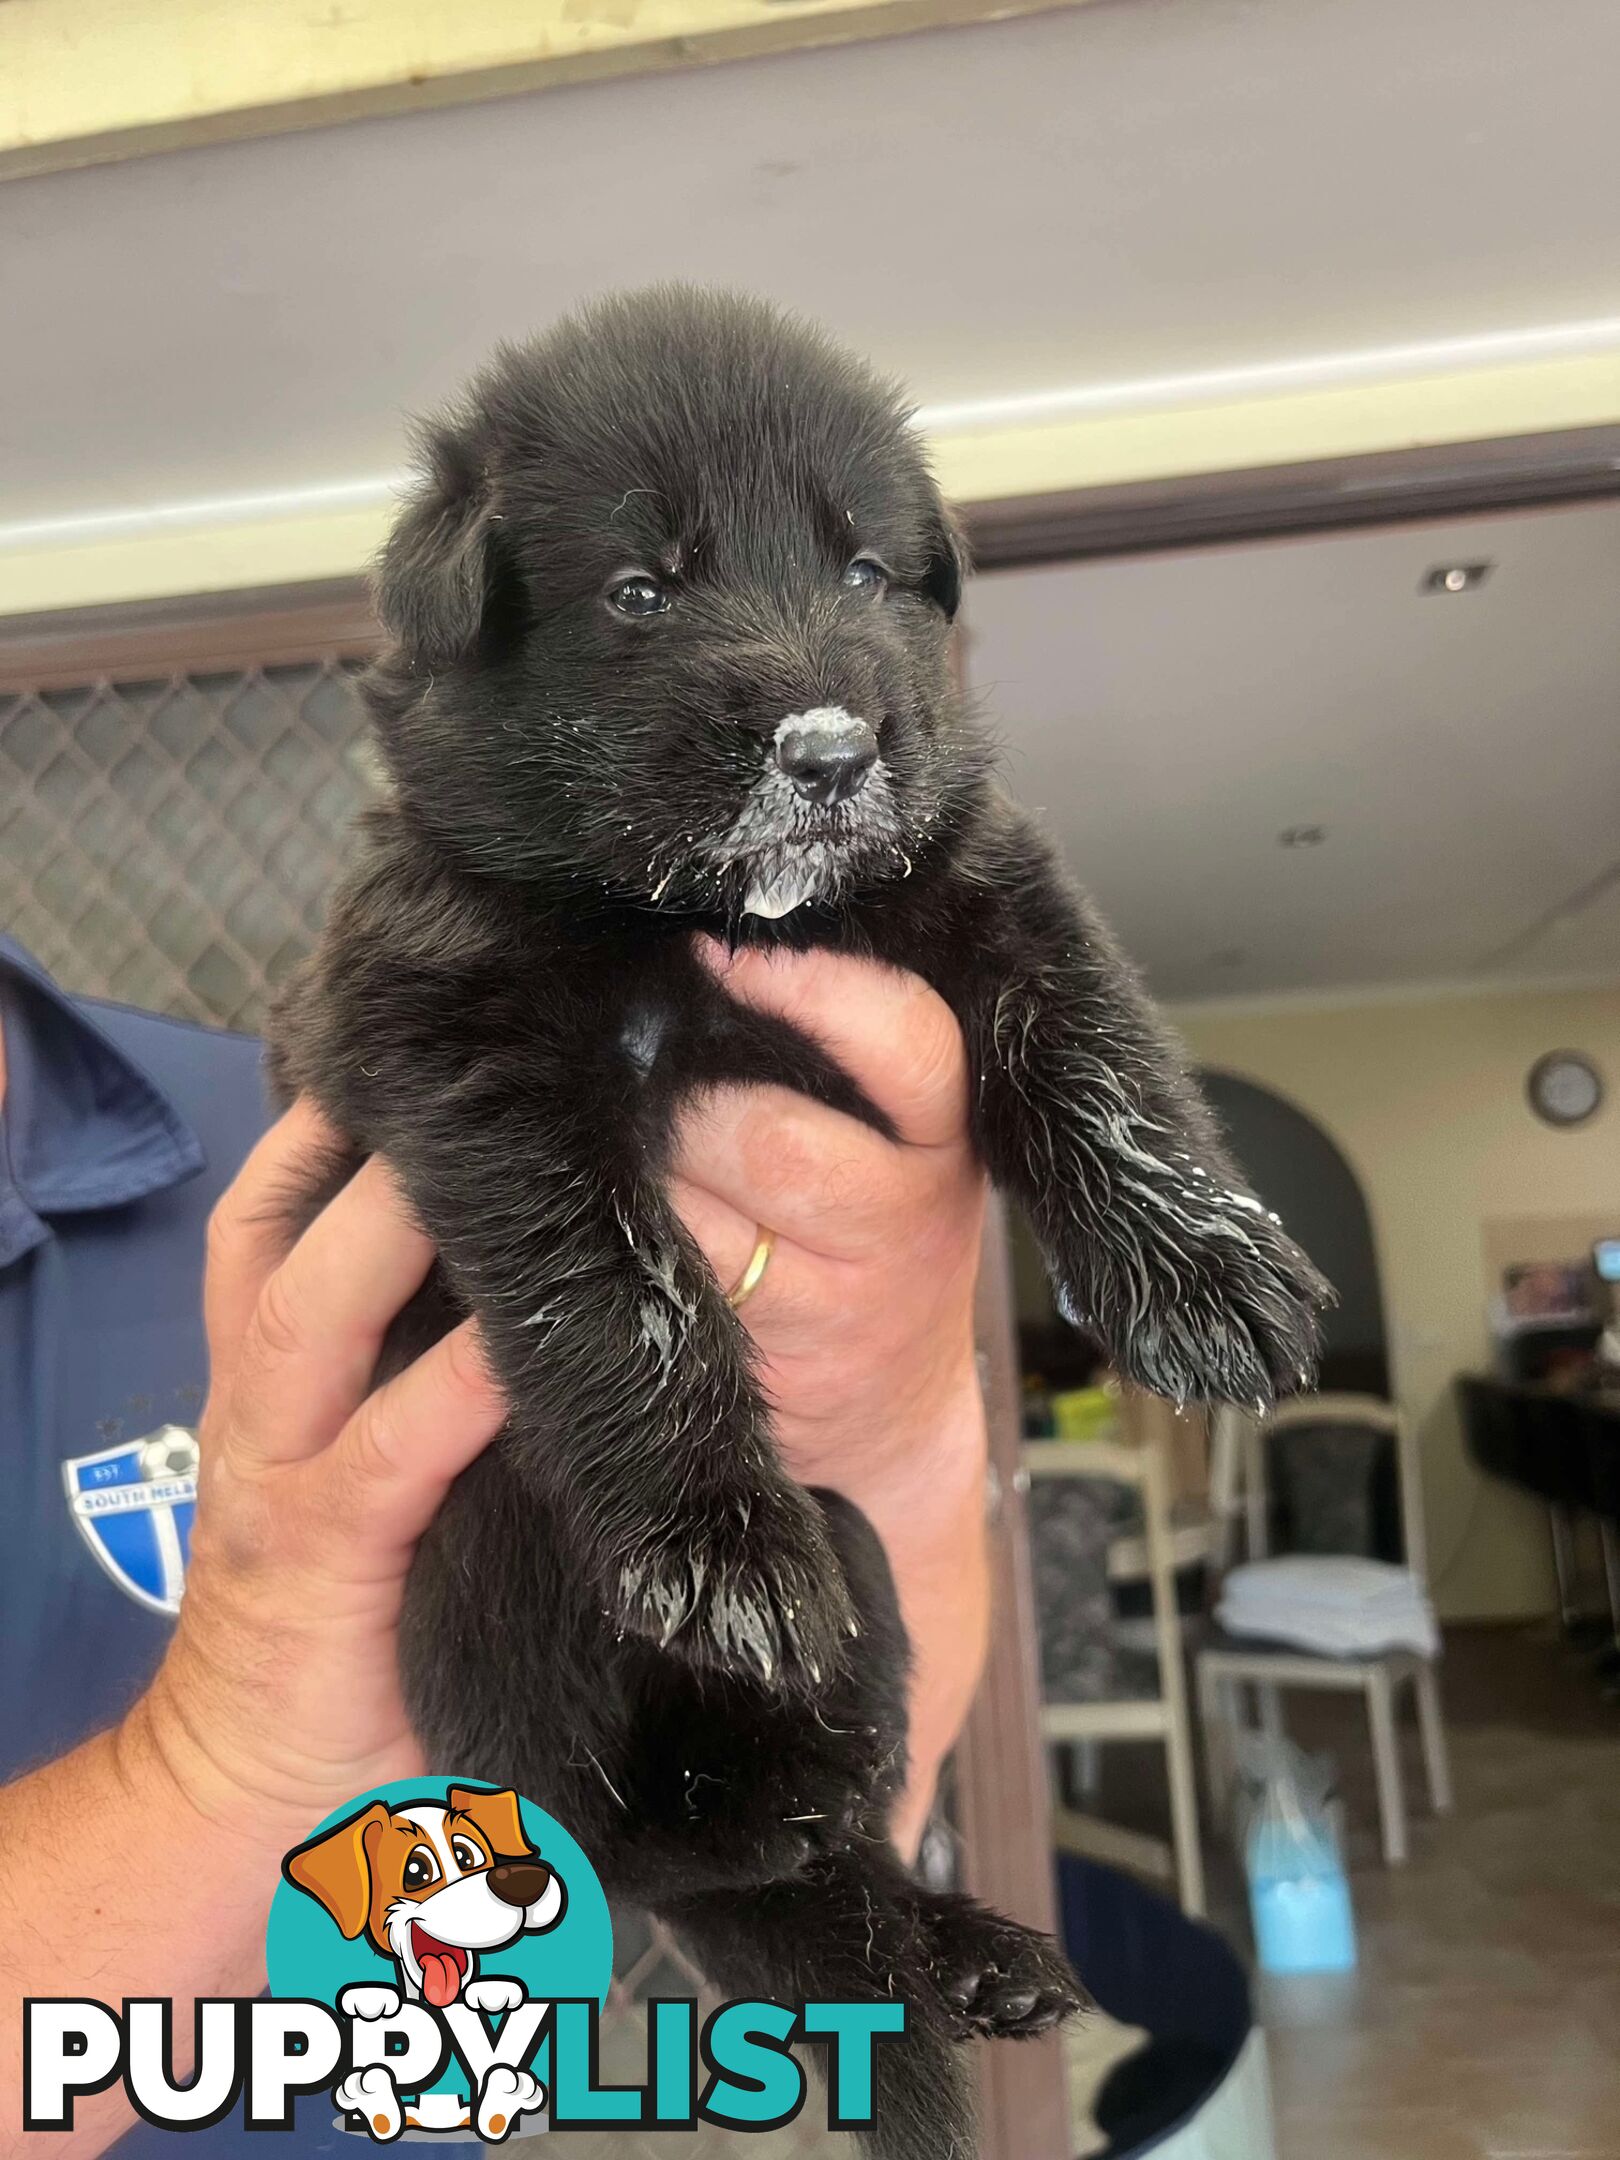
x=134 y=1505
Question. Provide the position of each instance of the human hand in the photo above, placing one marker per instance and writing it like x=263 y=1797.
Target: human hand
x=280 y=1696
x=864 y=1316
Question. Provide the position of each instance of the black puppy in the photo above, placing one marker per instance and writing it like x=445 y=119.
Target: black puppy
x=670 y=650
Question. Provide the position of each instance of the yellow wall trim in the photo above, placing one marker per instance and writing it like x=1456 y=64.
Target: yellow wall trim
x=1481 y=404
x=87 y=82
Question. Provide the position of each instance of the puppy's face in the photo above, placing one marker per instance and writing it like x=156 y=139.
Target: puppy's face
x=671 y=618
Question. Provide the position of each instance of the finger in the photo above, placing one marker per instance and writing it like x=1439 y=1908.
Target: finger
x=312 y=1345
x=890 y=1032
x=781 y=1162
x=724 y=1234
x=407 y=1443
x=252 y=1227
x=798 y=1286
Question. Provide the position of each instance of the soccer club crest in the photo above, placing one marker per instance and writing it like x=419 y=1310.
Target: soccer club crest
x=134 y=1505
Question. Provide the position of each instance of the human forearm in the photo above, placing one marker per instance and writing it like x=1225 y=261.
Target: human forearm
x=920 y=1481
x=144 y=1862
x=936 y=1542
x=166 y=1902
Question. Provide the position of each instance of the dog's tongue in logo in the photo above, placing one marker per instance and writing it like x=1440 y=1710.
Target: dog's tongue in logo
x=442 y=1967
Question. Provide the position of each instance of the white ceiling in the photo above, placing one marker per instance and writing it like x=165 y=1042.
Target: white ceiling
x=1173 y=714
x=1093 y=200
x=1133 y=189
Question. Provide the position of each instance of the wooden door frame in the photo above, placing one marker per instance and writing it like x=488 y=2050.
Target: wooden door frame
x=1002 y=1792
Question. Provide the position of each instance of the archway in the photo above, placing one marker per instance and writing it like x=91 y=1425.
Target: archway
x=1297 y=1170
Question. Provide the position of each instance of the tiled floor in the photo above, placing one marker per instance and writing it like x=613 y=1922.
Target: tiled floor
x=1484 y=2020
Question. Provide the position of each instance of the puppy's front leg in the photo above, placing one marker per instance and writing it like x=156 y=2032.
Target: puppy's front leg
x=634 y=1411
x=1085 y=1114
x=629 y=1375
x=633 y=1404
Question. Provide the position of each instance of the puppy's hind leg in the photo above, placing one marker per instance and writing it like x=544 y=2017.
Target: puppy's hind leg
x=836 y=1933
x=847 y=1922
x=728 y=1784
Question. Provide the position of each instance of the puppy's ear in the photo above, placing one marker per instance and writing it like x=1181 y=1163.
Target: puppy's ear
x=947 y=564
x=498 y=1816
x=335 y=1868
x=436 y=579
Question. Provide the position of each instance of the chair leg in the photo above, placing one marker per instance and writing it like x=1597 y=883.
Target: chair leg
x=1611 y=1573
x=1217 y=1740
x=1387 y=1763
x=1184 y=1819
x=1081 y=1773
x=1563 y=1553
x=1432 y=1726
x=1268 y=1702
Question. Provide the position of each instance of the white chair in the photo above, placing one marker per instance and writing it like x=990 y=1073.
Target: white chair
x=1163 y=1717
x=1238 y=1489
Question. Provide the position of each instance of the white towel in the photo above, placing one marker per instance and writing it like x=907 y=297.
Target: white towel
x=1342 y=1607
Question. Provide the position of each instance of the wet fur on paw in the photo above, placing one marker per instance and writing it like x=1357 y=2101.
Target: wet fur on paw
x=752 y=1587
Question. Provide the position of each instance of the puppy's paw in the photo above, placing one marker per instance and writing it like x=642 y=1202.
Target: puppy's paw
x=750 y=1586
x=504 y=2097
x=1214 y=1304
x=995 y=1977
x=371 y=2094
x=495 y=1996
x=369 y=2003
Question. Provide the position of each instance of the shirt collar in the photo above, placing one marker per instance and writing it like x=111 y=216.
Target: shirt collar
x=81 y=1125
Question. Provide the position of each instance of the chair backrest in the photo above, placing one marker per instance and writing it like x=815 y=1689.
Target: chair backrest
x=1239 y=1469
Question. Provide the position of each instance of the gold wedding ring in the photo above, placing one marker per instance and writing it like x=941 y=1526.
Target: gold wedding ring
x=748 y=1281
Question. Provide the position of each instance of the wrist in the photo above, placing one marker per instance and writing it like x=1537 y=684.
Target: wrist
x=167 y=1748
x=246 y=1760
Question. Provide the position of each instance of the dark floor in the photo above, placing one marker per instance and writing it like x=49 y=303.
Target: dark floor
x=1484 y=2020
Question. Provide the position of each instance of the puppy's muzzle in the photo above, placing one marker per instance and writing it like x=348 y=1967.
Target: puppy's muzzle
x=827 y=754
x=519 y=1882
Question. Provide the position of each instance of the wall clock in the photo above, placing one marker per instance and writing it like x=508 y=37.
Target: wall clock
x=1564 y=1087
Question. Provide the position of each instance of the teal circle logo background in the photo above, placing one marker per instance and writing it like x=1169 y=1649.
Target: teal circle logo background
x=306 y=1953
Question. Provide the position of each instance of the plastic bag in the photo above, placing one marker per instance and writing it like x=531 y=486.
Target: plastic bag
x=1299 y=1895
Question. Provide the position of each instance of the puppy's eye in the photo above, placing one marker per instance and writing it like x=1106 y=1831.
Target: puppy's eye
x=866 y=576
x=639 y=595
x=467 y=1855
x=420 y=1869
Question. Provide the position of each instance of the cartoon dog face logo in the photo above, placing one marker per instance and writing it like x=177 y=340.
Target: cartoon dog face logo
x=430 y=1884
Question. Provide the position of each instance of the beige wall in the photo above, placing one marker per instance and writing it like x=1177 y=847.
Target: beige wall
x=1426 y=1099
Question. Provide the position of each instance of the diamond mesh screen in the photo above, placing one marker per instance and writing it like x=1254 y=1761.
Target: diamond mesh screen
x=170 y=843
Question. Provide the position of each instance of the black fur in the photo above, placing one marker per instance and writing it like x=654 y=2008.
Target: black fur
x=626 y=1609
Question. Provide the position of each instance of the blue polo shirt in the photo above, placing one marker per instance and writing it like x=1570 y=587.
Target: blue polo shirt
x=118 y=1132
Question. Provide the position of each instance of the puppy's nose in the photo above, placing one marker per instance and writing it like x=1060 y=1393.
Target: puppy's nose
x=827 y=754
x=519 y=1882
